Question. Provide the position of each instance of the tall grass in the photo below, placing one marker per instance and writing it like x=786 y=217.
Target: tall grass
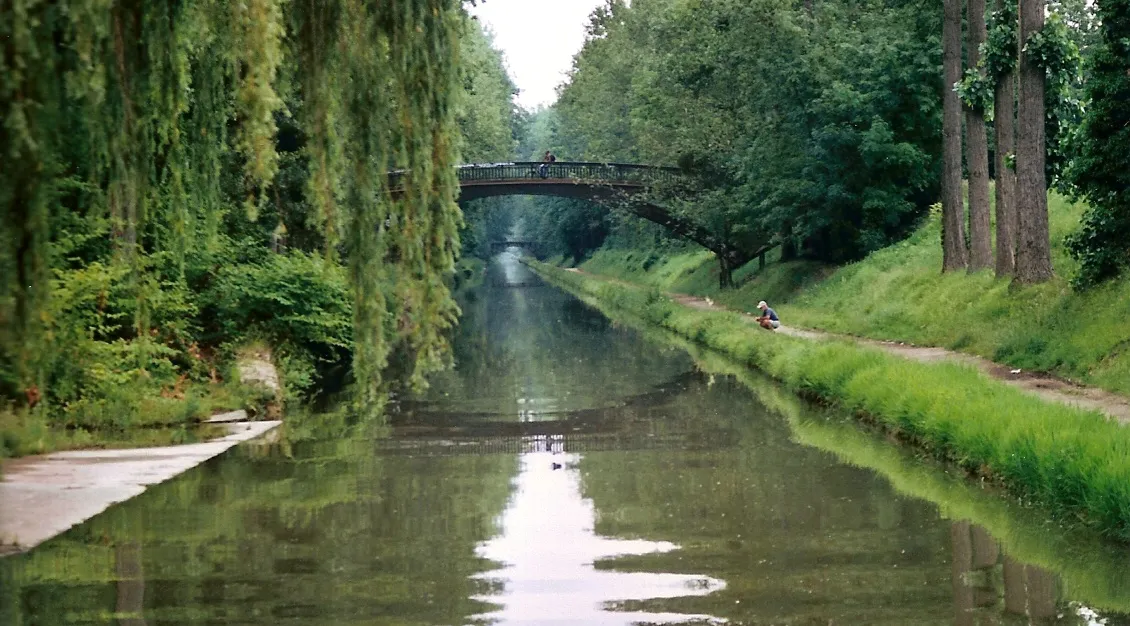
x=1075 y=462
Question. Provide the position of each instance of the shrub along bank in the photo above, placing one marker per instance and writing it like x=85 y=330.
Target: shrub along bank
x=899 y=294
x=140 y=361
x=1075 y=462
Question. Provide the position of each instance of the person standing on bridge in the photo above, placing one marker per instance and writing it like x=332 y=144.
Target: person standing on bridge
x=543 y=169
x=768 y=319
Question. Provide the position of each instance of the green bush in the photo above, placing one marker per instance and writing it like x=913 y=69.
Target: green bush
x=144 y=343
x=297 y=303
x=113 y=338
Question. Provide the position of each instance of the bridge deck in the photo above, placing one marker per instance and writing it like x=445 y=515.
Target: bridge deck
x=558 y=173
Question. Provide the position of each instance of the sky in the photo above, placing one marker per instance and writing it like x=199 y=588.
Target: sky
x=539 y=39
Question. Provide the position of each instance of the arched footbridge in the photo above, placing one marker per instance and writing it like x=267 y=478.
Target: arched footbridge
x=616 y=185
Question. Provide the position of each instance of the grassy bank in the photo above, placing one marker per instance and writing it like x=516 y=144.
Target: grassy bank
x=1074 y=462
x=899 y=294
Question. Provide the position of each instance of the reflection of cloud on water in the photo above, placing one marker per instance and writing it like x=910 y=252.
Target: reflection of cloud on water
x=547 y=550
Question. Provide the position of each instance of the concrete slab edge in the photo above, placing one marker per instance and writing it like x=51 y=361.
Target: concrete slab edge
x=43 y=497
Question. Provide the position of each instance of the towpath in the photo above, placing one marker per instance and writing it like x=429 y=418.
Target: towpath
x=1043 y=385
x=43 y=496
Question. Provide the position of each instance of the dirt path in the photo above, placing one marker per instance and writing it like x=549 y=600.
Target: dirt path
x=1045 y=386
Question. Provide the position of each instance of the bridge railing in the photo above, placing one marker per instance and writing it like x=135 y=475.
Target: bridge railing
x=580 y=172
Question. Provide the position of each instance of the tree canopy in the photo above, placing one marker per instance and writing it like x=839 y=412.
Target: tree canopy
x=816 y=129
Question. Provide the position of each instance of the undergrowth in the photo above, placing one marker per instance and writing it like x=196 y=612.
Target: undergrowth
x=124 y=354
x=1075 y=462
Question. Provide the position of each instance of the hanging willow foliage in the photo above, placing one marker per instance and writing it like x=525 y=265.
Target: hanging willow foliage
x=132 y=108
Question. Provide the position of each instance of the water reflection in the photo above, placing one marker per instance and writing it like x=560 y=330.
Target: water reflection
x=548 y=549
x=689 y=487
x=130 y=606
x=989 y=586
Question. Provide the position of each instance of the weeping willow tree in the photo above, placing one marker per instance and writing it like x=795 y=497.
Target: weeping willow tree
x=157 y=116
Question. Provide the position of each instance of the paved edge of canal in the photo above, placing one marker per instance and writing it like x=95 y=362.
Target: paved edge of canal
x=44 y=496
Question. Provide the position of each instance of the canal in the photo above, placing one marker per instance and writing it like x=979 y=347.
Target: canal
x=571 y=470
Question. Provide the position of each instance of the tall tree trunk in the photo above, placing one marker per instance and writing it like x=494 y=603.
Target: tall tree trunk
x=725 y=273
x=1033 y=254
x=1004 y=117
x=954 y=254
x=788 y=242
x=977 y=153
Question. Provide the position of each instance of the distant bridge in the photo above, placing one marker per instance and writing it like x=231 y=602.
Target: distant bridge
x=584 y=181
x=532 y=246
x=621 y=185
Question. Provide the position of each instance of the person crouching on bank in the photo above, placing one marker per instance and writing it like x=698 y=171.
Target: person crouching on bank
x=768 y=319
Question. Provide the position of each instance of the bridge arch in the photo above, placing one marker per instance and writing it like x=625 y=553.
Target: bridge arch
x=619 y=185
x=614 y=185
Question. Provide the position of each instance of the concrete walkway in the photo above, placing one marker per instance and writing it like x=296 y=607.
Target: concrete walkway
x=43 y=496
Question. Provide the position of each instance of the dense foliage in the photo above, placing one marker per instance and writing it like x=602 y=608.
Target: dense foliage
x=178 y=178
x=817 y=125
x=1100 y=172
x=817 y=129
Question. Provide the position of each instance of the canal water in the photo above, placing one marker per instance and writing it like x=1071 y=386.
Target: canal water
x=570 y=470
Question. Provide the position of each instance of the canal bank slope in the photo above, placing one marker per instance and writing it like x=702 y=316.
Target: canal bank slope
x=43 y=496
x=1075 y=462
x=898 y=294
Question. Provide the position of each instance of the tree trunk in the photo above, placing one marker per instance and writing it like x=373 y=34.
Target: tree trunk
x=788 y=244
x=953 y=236
x=977 y=154
x=1005 y=125
x=1033 y=254
x=725 y=272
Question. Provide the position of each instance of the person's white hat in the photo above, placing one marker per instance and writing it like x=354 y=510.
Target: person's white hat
x=762 y=305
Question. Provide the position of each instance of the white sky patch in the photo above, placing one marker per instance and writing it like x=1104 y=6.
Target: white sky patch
x=539 y=39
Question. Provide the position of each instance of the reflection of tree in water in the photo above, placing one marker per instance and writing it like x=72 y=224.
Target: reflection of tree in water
x=530 y=350
x=988 y=584
x=798 y=537
x=130 y=606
